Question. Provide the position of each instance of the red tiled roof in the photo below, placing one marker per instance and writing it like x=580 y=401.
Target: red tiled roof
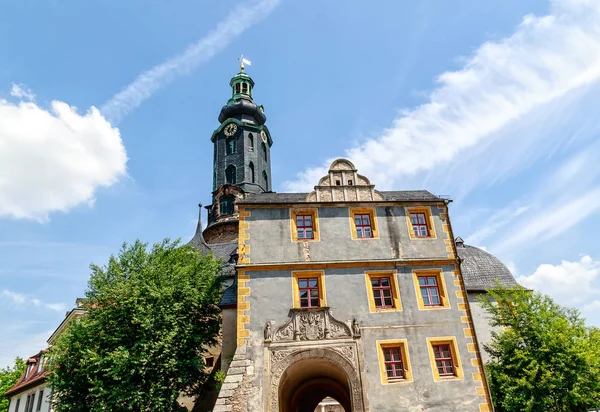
x=34 y=377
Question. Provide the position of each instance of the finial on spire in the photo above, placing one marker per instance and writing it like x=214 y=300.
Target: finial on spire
x=243 y=61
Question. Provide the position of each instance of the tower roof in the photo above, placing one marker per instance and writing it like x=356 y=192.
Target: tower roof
x=481 y=269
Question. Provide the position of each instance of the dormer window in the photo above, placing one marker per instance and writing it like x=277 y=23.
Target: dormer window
x=28 y=370
x=40 y=364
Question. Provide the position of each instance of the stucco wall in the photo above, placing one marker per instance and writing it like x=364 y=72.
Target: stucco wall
x=46 y=403
x=481 y=322
x=229 y=337
x=271 y=299
x=271 y=240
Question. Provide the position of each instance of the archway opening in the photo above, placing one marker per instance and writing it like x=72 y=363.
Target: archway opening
x=329 y=405
x=306 y=383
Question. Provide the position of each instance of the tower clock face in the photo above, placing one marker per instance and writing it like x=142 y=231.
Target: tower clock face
x=230 y=129
x=263 y=136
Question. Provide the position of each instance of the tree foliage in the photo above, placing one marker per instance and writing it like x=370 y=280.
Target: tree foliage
x=543 y=357
x=8 y=377
x=149 y=314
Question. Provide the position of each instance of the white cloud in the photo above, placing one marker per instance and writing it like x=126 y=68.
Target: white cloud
x=146 y=84
x=497 y=221
x=555 y=219
x=53 y=160
x=22 y=342
x=22 y=92
x=545 y=58
x=570 y=283
x=21 y=300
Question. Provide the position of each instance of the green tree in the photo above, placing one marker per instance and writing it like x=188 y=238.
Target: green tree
x=543 y=356
x=8 y=377
x=149 y=314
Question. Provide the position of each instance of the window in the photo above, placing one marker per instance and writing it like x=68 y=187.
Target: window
x=309 y=289
x=40 y=399
x=349 y=182
x=263 y=146
x=382 y=291
x=443 y=360
x=31 y=403
x=237 y=88
x=230 y=174
x=266 y=180
x=394 y=362
x=230 y=145
x=251 y=142
x=209 y=361
x=430 y=289
x=430 y=292
x=420 y=223
x=18 y=404
x=309 y=292
x=226 y=204
x=444 y=357
x=304 y=225
x=251 y=167
x=244 y=88
x=363 y=223
x=40 y=364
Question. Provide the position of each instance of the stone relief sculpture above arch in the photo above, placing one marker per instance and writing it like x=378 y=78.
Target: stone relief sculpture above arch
x=344 y=184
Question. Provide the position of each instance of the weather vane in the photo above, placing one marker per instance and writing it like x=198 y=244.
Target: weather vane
x=243 y=61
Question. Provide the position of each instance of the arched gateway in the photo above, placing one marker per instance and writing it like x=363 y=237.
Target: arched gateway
x=321 y=360
x=303 y=378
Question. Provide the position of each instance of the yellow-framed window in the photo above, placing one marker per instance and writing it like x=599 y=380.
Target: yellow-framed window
x=430 y=288
x=394 y=362
x=420 y=222
x=363 y=222
x=309 y=289
x=305 y=224
x=382 y=291
x=444 y=358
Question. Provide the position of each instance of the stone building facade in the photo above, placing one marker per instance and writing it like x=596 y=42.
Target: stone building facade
x=345 y=294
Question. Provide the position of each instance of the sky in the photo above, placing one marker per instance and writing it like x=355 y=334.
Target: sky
x=107 y=108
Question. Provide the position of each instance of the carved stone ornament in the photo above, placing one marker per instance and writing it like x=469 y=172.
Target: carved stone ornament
x=343 y=357
x=355 y=327
x=268 y=332
x=312 y=324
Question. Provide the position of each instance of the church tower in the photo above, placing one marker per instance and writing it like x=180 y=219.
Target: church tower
x=242 y=158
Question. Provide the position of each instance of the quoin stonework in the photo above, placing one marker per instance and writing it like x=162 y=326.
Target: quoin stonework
x=345 y=298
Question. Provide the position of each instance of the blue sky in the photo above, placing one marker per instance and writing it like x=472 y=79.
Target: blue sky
x=107 y=109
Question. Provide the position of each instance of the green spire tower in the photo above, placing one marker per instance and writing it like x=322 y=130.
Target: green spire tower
x=242 y=158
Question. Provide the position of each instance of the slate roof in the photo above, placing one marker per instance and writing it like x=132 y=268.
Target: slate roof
x=229 y=297
x=224 y=251
x=392 y=196
x=480 y=269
